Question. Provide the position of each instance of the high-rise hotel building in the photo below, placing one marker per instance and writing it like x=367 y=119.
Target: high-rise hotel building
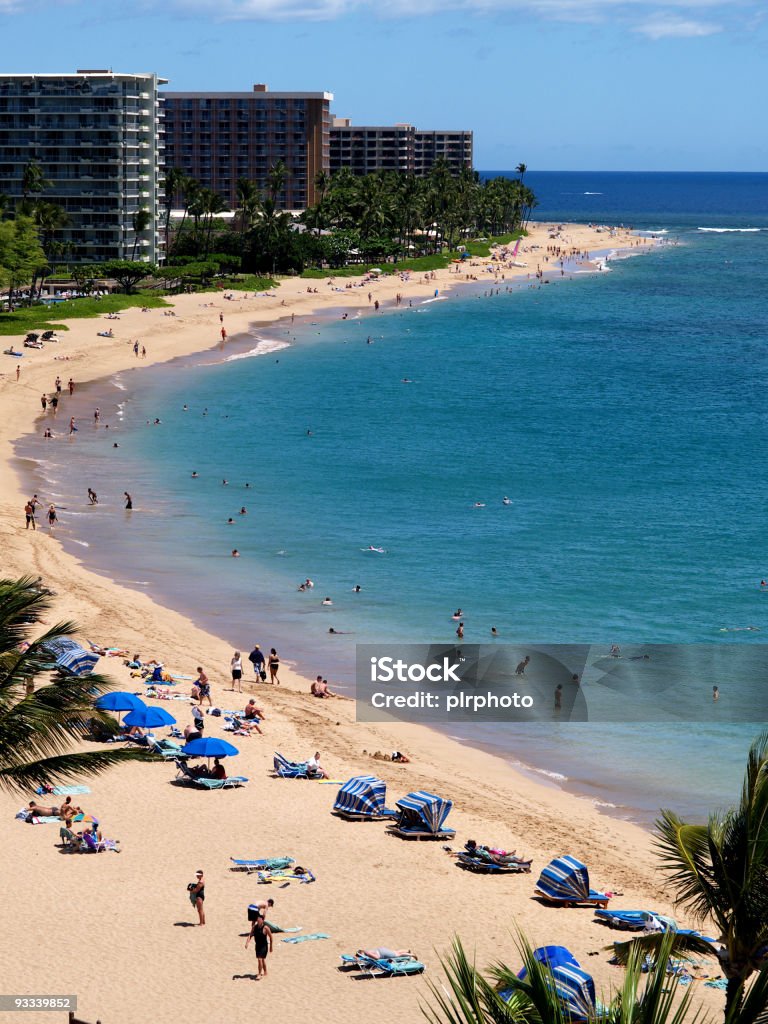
x=218 y=137
x=365 y=149
x=98 y=138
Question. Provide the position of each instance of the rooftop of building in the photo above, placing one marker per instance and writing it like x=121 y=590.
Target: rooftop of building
x=258 y=90
x=84 y=73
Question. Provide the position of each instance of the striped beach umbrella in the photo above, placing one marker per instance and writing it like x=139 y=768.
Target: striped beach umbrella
x=71 y=657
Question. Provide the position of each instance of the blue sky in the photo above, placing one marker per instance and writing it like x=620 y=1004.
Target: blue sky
x=558 y=84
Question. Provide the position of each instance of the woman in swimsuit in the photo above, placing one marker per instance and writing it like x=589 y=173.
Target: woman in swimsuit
x=197 y=895
x=262 y=940
x=274 y=665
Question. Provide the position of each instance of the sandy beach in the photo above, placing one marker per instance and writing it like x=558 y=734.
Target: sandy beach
x=118 y=930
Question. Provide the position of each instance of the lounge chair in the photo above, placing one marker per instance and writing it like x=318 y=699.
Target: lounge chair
x=92 y=845
x=421 y=816
x=482 y=861
x=286 y=769
x=363 y=798
x=167 y=750
x=184 y=774
x=262 y=864
x=383 y=967
x=565 y=881
x=632 y=920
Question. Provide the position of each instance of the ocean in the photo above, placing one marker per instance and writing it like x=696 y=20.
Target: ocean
x=622 y=413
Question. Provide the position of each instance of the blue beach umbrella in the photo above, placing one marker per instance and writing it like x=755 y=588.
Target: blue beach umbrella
x=71 y=657
x=209 y=746
x=149 y=718
x=120 y=700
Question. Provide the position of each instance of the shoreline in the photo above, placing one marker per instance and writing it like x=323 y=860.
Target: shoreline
x=269 y=334
x=165 y=830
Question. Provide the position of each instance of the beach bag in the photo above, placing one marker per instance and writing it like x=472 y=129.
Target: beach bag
x=216 y=712
x=263 y=676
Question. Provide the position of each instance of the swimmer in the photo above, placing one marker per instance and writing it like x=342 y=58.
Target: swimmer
x=235 y=553
x=615 y=651
x=460 y=631
x=356 y=589
x=406 y=380
x=194 y=474
x=479 y=504
x=715 y=693
x=247 y=485
x=308 y=583
x=506 y=501
x=327 y=601
x=185 y=408
x=243 y=511
x=223 y=483
x=457 y=614
x=230 y=521
x=379 y=551
x=494 y=631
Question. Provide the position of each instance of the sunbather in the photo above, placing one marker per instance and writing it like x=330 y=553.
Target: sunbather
x=315 y=768
x=38 y=811
x=383 y=953
x=240 y=723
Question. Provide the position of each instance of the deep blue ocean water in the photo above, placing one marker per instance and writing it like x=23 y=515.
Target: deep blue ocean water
x=623 y=413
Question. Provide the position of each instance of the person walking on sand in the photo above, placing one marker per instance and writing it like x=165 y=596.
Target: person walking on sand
x=196 y=892
x=261 y=934
x=274 y=666
x=58 y=385
x=18 y=372
x=223 y=333
x=236 y=665
x=203 y=687
x=71 y=386
x=256 y=658
x=29 y=512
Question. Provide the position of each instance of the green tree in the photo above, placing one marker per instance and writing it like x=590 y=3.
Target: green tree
x=277 y=176
x=719 y=872
x=248 y=201
x=140 y=221
x=40 y=724
x=21 y=254
x=127 y=273
x=175 y=184
x=33 y=182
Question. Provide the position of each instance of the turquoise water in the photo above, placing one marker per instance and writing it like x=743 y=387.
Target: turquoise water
x=622 y=413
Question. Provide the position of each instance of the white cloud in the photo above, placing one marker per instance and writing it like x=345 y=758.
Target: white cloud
x=665 y=26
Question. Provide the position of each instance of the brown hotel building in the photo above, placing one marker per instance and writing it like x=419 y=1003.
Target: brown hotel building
x=218 y=137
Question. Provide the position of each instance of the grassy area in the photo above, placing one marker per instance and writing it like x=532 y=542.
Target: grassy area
x=246 y=283
x=418 y=264
x=50 y=318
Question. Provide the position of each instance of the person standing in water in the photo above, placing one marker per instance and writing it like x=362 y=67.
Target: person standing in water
x=128 y=500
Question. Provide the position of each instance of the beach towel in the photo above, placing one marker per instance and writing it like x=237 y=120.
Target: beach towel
x=44 y=820
x=278 y=930
x=307 y=938
x=719 y=983
x=68 y=790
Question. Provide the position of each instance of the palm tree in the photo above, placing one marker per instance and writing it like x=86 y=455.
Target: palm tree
x=176 y=183
x=276 y=179
x=720 y=872
x=504 y=998
x=39 y=725
x=33 y=181
x=248 y=201
x=521 y=169
x=141 y=220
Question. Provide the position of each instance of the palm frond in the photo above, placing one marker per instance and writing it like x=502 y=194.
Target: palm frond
x=680 y=946
x=67 y=766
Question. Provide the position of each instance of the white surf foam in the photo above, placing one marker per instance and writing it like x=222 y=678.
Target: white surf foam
x=437 y=298
x=592 y=193
x=727 y=231
x=263 y=348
